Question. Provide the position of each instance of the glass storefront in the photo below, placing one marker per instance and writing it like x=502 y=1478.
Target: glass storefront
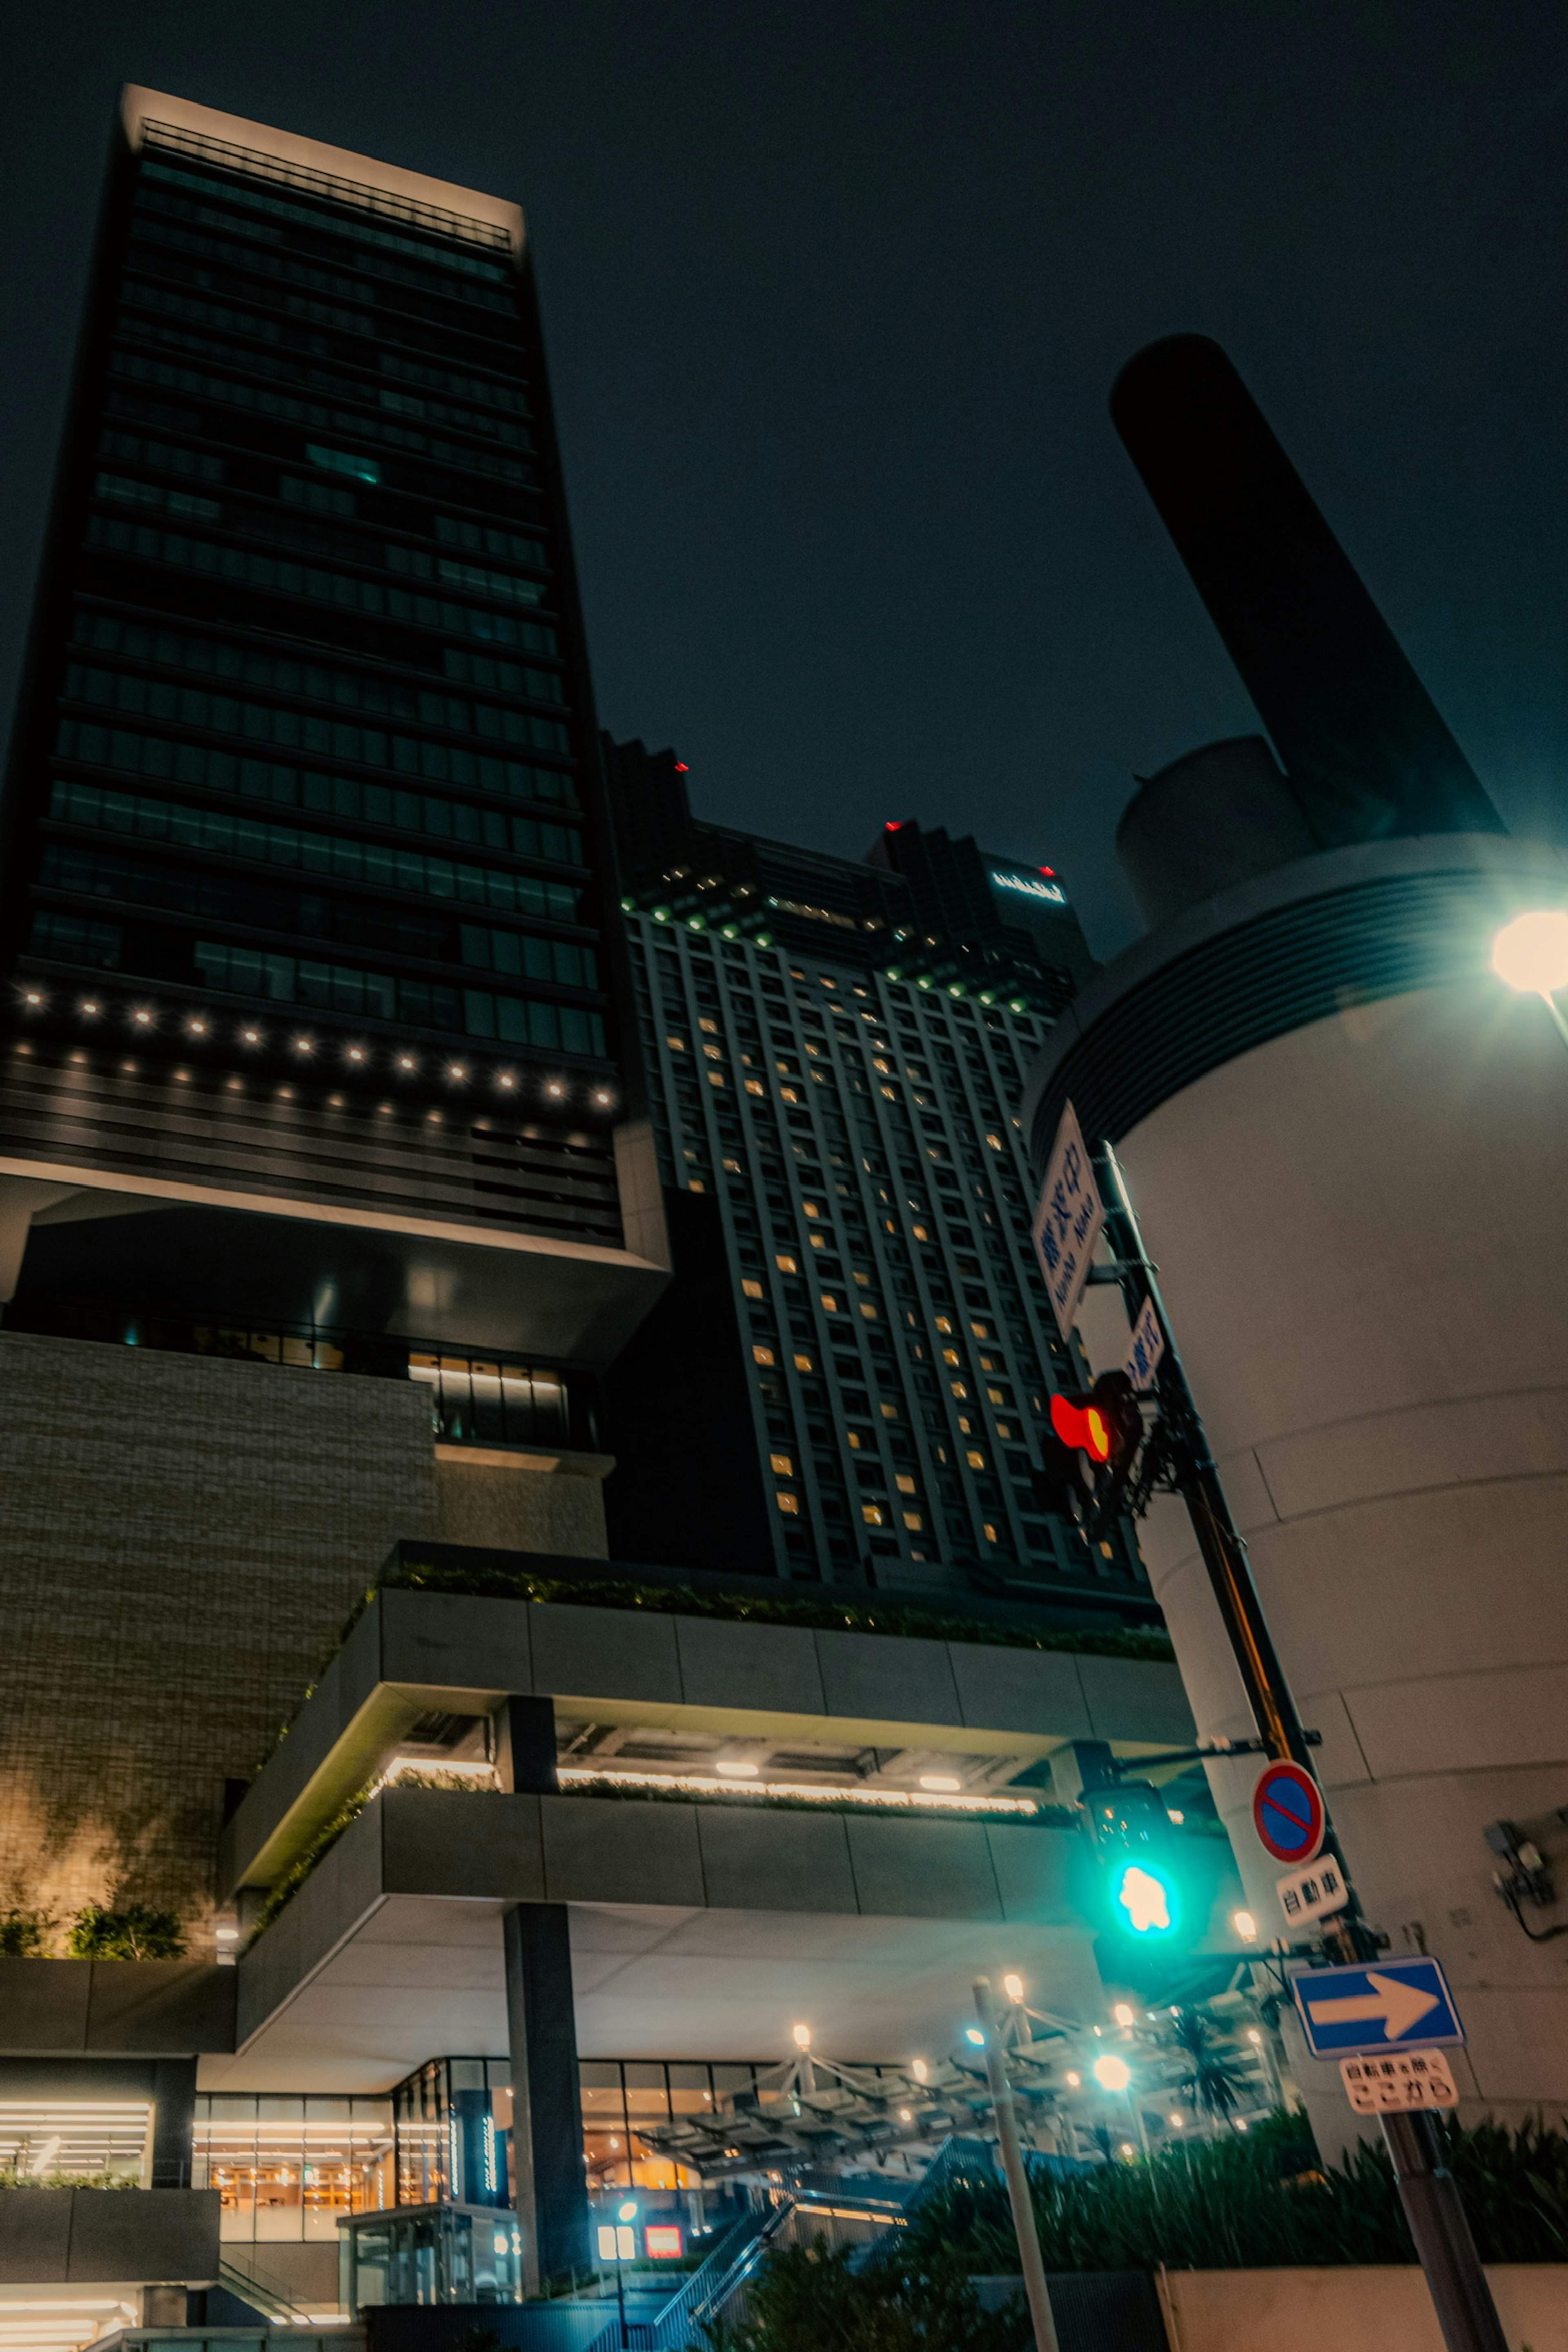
x=287 y=2170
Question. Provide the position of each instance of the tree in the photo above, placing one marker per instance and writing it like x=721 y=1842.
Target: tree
x=134 y=1933
x=1215 y=2080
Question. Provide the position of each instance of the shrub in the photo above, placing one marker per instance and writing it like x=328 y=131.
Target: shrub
x=135 y=1933
x=807 y=2299
x=23 y=1934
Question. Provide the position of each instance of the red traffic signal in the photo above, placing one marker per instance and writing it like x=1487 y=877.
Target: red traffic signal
x=1103 y=1422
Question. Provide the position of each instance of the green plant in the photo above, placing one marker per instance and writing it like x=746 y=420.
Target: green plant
x=294 y=1877
x=807 y=2299
x=135 y=1933
x=1216 y=2080
x=23 y=1934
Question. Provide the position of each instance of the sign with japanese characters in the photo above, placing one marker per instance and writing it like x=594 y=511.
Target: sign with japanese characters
x=1417 y=2078
x=1069 y=1221
x=1148 y=1347
x=1315 y=1893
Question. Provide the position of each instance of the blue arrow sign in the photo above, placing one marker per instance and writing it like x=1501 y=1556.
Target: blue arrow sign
x=1381 y=2005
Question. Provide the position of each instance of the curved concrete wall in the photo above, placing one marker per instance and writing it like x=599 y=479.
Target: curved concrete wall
x=1362 y=1229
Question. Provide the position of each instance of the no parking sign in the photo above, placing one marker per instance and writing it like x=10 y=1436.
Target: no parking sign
x=1288 y=1814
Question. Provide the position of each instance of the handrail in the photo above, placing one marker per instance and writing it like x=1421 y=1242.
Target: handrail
x=262 y=2294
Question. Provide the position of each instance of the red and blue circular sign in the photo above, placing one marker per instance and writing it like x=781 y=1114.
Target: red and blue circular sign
x=1288 y=1814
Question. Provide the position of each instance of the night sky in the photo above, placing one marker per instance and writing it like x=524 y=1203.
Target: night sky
x=834 y=294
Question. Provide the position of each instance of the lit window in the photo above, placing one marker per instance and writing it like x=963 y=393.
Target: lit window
x=733 y=1166
x=785 y=1264
x=695 y=1184
x=803 y=1364
x=951 y=1356
x=913 y=1520
x=714 y=1053
x=788 y=1093
x=904 y=1482
x=891 y=1093
x=867 y=1310
x=762 y=1355
x=711 y=1026
x=1005 y=1429
x=676 y=1044
x=958 y=1388
x=818 y=1241
x=919 y=1233
x=981 y=1330
x=811 y=1209
x=855 y=1439
x=975 y=1459
x=715 y=1077
x=989 y=1532
x=884 y=1068
x=782 y=1466
x=943 y=1323
x=829 y=1302
x=788 y=1504
x=995 y=1142
x=1106 y=1552
x=784 y=1069
x=751 y=1288
x=873 y=1515
x=755 y=1087
x=996 y=1396
x=890 y=1412
x=862 y=1279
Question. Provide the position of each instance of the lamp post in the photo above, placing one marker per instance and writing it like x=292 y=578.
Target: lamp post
x=625 y=2214
x=1030 y=2259
x=1531 y=953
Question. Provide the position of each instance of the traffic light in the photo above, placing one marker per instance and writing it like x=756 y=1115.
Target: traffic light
x=1100 y=1429
x=1130 y=1831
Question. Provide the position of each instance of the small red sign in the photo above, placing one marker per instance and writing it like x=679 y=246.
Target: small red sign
x=665 y=2243
x=1288 y=1814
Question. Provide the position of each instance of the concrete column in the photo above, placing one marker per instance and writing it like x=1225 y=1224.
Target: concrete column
x=174 y=2116
x=525 y=1746
x=549 y=2189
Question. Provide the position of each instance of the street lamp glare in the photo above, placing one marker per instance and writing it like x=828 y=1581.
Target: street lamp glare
x=1112 y=2074
x=1531 y=953
x=803 y=2037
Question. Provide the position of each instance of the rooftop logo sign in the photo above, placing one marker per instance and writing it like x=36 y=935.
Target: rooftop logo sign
x=1031 y=886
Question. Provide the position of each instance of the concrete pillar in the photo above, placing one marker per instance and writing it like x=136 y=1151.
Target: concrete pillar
x=549 y=2189
x=174 y=2116
x=525 y=1746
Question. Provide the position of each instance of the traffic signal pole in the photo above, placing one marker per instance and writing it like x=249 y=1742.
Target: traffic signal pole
x=1427 y=2194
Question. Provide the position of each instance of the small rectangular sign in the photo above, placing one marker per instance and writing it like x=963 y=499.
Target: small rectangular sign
x=1069 y=1221
x=1314 y=1894
x=1147 y=1349
x=1417 y=2078
x=1365 y=2011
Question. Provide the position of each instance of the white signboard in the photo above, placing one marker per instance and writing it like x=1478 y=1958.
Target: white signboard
x=1148 y=1347
x=1313 y=1893
x=1069 y=1221
x=1417 y=2078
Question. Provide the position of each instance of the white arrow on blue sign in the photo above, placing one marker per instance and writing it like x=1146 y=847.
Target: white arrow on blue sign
x=1351 y=2012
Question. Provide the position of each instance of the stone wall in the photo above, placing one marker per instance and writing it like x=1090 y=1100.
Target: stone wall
x=180 y=1539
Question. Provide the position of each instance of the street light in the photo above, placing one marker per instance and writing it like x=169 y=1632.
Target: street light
x=625 y=2214
x=1532 y=954
x=1111 y=2074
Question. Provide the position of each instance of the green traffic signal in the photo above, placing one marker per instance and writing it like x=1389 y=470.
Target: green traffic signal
x=1145 y=1900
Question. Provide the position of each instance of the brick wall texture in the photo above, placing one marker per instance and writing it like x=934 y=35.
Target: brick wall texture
x=180 y=1539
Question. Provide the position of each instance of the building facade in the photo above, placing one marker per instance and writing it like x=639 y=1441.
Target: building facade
x=835 y=1089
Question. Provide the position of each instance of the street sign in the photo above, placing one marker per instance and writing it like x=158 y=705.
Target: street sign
x=1360 y=2011
x=1069 y=1221
x=1288 y=1814
x=1381 y=2086
x=1148 y=1347
x=1314 y=1894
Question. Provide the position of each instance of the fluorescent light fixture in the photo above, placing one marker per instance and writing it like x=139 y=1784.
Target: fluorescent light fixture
x=700 y=1784
x=737 y=1770
x=942 y=1783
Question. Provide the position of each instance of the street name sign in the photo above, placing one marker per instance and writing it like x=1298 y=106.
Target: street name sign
x=1069 y=1221
x=1288 y=1814
x=1361 y=2011
x=1381 y=2086
x=1148 y=1347
x=1314 y=1894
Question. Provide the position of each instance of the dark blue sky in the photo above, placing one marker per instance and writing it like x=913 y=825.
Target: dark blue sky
x=834 y=295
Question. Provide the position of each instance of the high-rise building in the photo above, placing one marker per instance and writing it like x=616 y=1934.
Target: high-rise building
x=857 y=1348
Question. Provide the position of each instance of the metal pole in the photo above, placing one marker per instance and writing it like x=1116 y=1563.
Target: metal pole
x=1444 y=2246
x=1460 y=2294
x=1018 y=2197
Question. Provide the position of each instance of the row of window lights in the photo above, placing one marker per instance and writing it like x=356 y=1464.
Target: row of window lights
x=197 y=1024
x=894 y=971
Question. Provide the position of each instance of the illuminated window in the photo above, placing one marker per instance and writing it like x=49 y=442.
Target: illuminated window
x=885 y=1068
x=755 y=1087
x=695 y=1184
x=989 y=1532
x=752 y=1288
x=711 y=1026
x=782 y=1466
x=979 y=1331
x=788 y=1093
x=763 y=1356
x=873 y=1515
x=788 y=1504
x=733 y=1166
x=676 y=1044
x=951 y=1356
x=965 y=1424
x=803 y=1364
x=862 y=1279
x=1005 y=1429
x=943 y=1323
x=996 y=1396
x=905 y=1485
x=995 y=1142
x=714 y=1053
x=975 y=1459
x=818 y=1241
x=829 y=1302
x=891 y=1093
x=715 y=1077
x=811 y=1209
x=890 y=1412
x=1106 y=1552
x=785 y=1264
x=913 y=1519
x=784 y=1069
x=867 y=1310
x=958 y=1388
x=855 y=1439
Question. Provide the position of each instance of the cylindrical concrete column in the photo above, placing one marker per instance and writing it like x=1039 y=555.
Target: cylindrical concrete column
x=1360 y=1220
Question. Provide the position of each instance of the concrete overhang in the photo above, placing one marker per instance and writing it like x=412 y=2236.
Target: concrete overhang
x=697 y=1931
x=411 y=1651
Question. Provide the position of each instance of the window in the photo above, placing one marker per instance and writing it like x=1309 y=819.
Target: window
x=803 y=1364
x=856 y=1440
x=944 y=1323
x=711 y=1026
x=890 y=1411
x=958 y=1388
x=975 y=1459
x=783 y=1467
x=830 y=1303
x=981 y=1330
x=905 y=1485
x=913 y=1521
x=751 y=1287
x=785 y=1264
x=755 y=1087
x=867 y=1310
x=951 y=1356
x=676 y=1044
x=873 y=1515
x=763 y=1356
x=811 y=1209
x=989 y=1532
x=788 y=1504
